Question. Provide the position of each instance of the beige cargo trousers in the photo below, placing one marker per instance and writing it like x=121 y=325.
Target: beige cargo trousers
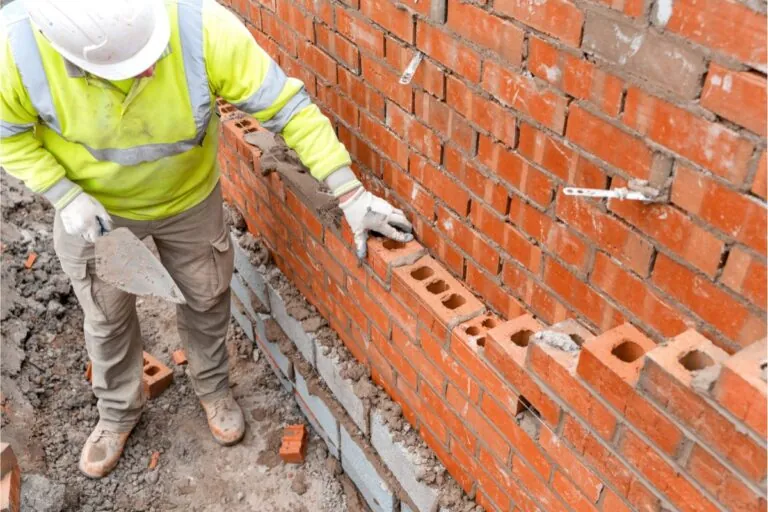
x=195 y=248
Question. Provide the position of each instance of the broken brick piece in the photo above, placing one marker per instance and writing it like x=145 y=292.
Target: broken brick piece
x=31 y=259
x=293 y=449
x=10 y=485
x=89 y=372
x=179 y=357
x=156 y=378
x=154 y=460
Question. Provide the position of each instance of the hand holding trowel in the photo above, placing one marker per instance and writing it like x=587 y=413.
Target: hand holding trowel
x=123 y=261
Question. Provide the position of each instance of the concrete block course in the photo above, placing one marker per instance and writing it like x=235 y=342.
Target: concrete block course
x=253 y=278
x=326 y=423
x=343 y=389
x=303 y=340
x=364 y=474
x=403 y=463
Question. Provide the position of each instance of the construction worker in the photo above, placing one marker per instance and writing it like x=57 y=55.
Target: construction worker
x=106 y=109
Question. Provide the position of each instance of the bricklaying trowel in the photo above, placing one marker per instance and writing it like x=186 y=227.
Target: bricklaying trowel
x=123 y=261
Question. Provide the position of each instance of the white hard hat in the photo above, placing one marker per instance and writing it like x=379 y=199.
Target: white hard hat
x=113 y=39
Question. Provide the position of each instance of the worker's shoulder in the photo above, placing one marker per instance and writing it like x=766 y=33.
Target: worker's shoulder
x=13 y=14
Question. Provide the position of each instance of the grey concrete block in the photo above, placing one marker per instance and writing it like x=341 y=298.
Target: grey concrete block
x=282 y=365
x=342 y=389
x=327 y=423
x=243 y=294
x=238 y=311
x=251 y=274
x=402 y=463
x=305 y=342
x=332 y=449
x=368 y=481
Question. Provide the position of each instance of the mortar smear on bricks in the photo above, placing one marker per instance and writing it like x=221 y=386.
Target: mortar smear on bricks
x=476 y=150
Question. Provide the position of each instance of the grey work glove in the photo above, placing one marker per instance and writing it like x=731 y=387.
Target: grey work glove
x=365 y=212
x=84 y=216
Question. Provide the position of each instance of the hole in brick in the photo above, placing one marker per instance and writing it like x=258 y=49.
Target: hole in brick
x=422 y=273
x=696 y=360
x=489 y=323
x=521 y=338
x=453 y=301
x=527 y=417
x=480 y=341
x=438 y=286
x=145 y=362
x=628 y=351
x=152 y=370
x=576 y=339
x=392 y=245
x=472 y=330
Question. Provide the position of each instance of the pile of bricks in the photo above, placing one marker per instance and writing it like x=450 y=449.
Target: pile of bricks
x=515 y=100
x=520 y=414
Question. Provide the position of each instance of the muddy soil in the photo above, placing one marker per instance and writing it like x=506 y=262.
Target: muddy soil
x=48 y=408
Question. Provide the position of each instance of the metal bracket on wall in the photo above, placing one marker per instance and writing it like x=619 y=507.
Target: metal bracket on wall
x=438 y=11
x=616 y=193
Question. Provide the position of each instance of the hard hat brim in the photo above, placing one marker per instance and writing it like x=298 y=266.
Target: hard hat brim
x=140 y=62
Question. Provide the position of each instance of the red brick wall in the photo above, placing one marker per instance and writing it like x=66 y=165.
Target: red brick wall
x=517 y=100
x=512 y=103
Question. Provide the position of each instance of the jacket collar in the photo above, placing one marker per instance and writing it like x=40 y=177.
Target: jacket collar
x=74 y=71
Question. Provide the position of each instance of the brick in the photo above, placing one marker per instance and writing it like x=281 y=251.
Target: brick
x=490 y=289
x=358 y=30
x=559 y=159
x=456 y=374
x=634 y=294
x=589 y=483
x=440 y=117
x=577 y=77
x=477 y=421
x=439 y=292
x=317 y=60
x=626 y=151
x=729 y=27
x=293 y=447
x=662 y=475
x=385 y=80
x=759 y=187
x=156 y=377
x=432 y=178
x=10 y=491
x=645 y=54
x=385 y=254
x=558 y=18
x=403 y=463
x=737 y=96
x=344 y=50
x=536 y=487
x=706 y=143
x=507 y=344
x=708 y=301
x=362 y=95
x=746 y=275
x=448 y=51
x=525 y=95
x=521 y=442
x=468 y=240
x=179 y=357
x=486 y=114
x=737 y=215
x=668 y=379
x=357 y=464
x=516 y=172
x=440 y=406
x=419 y=136
x=581 y=297
x=570 y=493
x=417 y=196
x=316 y=405
x=610 y=234
x=385 y=13
x=384 y=140
x=613 y=502
x=427 y=235
x=511 y=240
x=674 y=230
x=741 y=389
x=722 y=483
x=8 y=461
x=483 y=28
x=557 y=370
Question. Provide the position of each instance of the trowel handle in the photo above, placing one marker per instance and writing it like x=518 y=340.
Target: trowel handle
x=103 y=226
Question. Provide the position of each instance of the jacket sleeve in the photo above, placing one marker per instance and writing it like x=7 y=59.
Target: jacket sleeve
x=243 y=74
x=21 y=154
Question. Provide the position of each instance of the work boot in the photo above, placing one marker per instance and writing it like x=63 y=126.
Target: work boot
x=225 y=419
x=102 y=450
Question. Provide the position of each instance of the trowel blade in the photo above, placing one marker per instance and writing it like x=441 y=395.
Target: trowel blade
x=123 y=261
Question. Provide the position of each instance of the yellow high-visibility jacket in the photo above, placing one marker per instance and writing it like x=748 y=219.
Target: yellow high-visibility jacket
x=146 y=148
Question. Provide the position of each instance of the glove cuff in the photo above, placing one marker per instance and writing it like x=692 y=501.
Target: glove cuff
x=342 y=181
x=352 y=199
x=61 y=193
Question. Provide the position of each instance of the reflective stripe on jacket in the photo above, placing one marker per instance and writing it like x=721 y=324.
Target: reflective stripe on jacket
x=150 y=152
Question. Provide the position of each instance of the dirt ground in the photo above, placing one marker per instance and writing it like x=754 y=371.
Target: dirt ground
x=48 y=409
